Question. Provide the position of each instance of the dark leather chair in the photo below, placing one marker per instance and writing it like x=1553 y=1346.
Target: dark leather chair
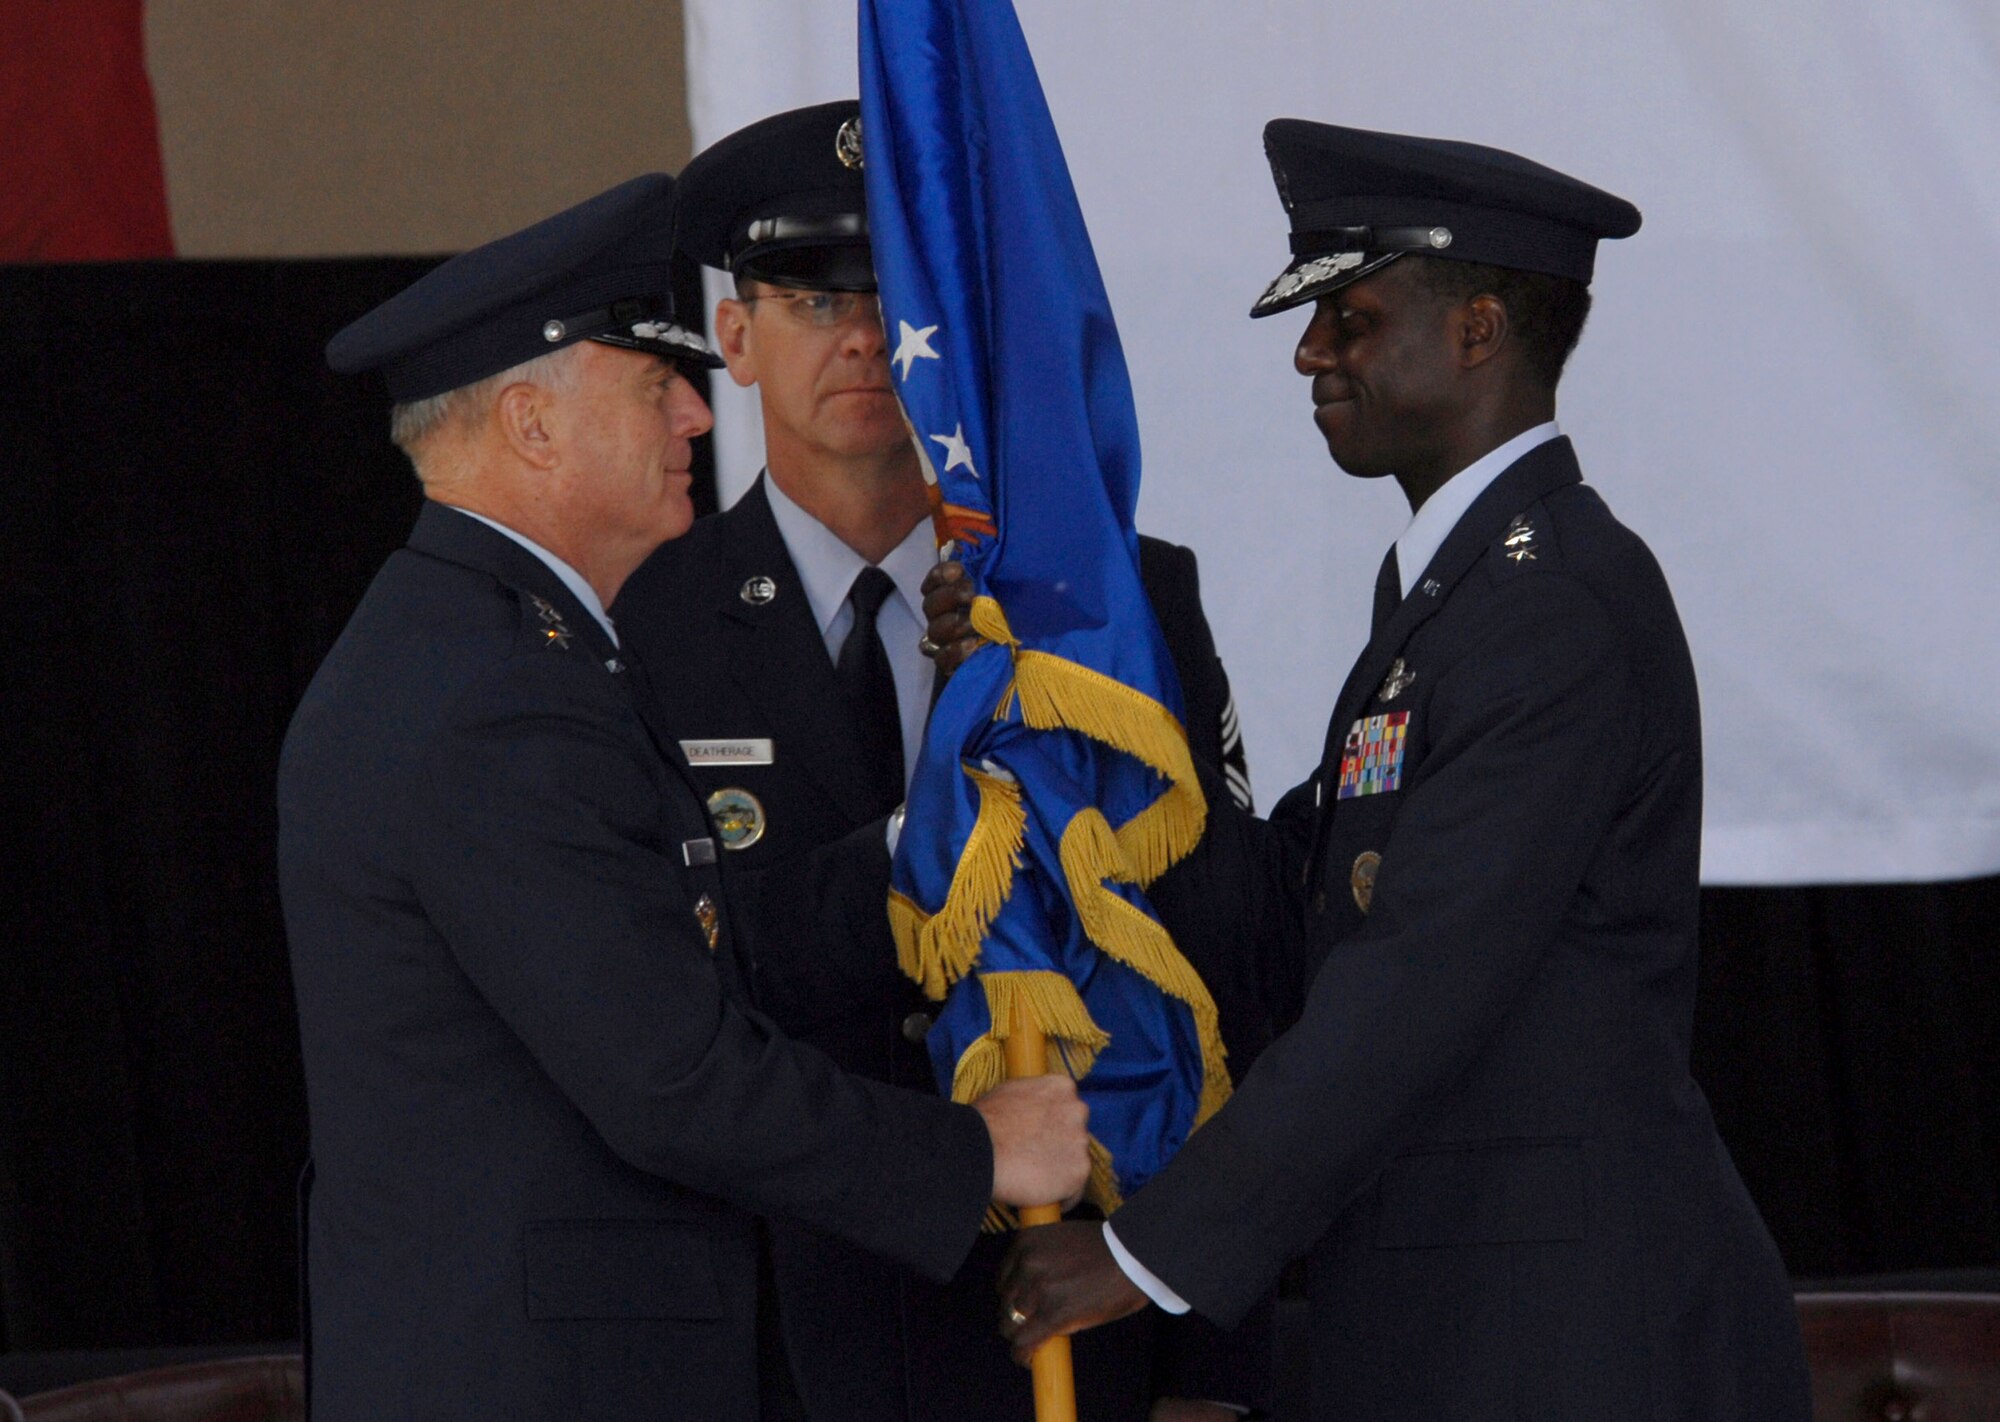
x=266 y=1389
x=1903 y=1357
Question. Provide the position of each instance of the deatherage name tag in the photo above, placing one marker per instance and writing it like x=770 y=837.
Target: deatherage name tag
x=727 y=751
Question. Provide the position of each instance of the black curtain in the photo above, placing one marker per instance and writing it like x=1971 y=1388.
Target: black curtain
x=196 y=505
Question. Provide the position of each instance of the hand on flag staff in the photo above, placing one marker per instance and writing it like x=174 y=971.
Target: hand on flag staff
x=1040 y=1141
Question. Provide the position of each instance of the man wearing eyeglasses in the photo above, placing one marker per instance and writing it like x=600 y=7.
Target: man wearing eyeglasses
x=782 y=640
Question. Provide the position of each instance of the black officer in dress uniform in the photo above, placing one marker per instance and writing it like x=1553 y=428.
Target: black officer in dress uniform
x=749 y=633
x=1479 y=1131
x=542 y=1113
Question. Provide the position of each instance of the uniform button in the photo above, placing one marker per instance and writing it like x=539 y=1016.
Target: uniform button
x=1319 y=902
x=916 y=1026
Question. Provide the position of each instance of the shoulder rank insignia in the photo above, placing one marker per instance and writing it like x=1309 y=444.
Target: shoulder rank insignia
x=758 y=590
x=555 y=631
x=1519 y=540
x=1371 y=763
x=1397 y=681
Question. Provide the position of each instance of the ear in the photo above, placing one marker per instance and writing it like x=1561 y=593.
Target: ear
x=1483 y=328
x=524 y=412
x=734 y=340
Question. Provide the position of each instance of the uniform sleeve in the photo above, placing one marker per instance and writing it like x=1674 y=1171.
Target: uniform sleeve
x=541 y=863
x=1532 y=741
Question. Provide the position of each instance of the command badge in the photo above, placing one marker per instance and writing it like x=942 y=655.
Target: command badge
x=758 y=590
x=1361 y=878
x=1371 y=763
x=738 y=816
x=710 y=918
x=1397 y=681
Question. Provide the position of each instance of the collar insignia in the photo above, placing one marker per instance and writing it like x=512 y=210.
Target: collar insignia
x=1519 y=540
x=555 y=631
x=758 y=590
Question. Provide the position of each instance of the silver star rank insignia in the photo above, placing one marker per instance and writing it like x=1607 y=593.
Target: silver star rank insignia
x=557 y=631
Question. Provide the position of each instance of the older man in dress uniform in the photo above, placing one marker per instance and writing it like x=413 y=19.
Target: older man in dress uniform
x=542 y=1112
x=1479 y=1131
x=782 y=637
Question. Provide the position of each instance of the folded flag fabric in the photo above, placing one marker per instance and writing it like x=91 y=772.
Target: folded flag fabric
x=1055 y=781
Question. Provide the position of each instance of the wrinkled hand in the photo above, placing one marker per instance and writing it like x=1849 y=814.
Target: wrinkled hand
x=1041 y=1151
x=948 y=611
x=1063 y=1279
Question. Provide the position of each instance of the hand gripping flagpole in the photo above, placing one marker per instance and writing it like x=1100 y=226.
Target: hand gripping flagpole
x=1054 y=1376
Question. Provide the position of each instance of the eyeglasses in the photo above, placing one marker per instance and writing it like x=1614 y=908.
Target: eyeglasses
x=824 y=309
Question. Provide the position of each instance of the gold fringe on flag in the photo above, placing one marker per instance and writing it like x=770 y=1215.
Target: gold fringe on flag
x=1052 y=1001
x=936 y=950
x=1091 y=854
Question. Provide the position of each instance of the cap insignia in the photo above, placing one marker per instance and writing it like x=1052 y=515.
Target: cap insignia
x=847 y=144
x=1318 y=269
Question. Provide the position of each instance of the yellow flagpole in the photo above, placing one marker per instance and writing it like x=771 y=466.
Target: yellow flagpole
x=1054 y=1377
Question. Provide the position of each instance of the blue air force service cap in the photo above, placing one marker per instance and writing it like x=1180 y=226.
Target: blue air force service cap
x=595 y=272
x=1358 y=200
x=783 y=201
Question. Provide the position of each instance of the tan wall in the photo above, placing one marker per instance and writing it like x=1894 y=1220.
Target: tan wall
x=342 y=127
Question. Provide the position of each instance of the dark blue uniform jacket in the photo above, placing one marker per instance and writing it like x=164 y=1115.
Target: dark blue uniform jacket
x=542 y=1112
x=1479 y=1128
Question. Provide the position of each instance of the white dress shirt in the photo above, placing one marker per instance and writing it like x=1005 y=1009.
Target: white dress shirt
x=1428 y=529
x=827 y=567
x=571 y=578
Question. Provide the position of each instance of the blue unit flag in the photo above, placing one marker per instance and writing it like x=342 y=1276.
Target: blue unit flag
x=1055 y=781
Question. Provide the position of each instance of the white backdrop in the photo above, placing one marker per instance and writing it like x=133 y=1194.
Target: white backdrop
x=1790 y=385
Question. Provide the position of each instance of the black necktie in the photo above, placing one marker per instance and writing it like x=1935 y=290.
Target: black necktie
x=1388 y=592
x=870 y=687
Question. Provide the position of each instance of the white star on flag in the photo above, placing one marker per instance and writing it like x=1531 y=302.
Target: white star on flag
x=913 y=345
x=957 y=451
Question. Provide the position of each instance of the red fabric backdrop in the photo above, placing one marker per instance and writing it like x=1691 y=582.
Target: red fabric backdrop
x=80 y=172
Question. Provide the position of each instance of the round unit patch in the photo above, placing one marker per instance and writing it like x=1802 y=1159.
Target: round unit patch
x=738 y=816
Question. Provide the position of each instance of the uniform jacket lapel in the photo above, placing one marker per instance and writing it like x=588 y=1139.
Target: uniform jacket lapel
x=778 y=659
x=1531 y=478
x=443 y=532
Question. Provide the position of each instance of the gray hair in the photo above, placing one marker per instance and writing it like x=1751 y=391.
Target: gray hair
x=414 y=421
